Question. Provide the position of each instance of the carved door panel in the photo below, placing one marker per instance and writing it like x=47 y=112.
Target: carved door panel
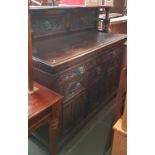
x=96 y=72
x=116 y=69
x=113 y=80
x=73 y=112
x=79 y=108
x=93 y=96
x=102 y=90
x=66 y=117
x=110 y=82
x=116 y=77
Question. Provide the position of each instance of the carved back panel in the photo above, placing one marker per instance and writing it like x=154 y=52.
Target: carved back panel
x=48 y=22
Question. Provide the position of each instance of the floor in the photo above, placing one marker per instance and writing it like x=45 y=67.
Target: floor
x=92 y=139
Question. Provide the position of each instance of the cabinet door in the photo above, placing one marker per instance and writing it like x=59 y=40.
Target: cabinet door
x=79 y=108
x=66 y=117
x=93 y=95
x=112 y=80
x=116 y=77
x=73 y=111
x=102 y=89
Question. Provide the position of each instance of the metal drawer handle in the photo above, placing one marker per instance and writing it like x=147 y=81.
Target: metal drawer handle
x=81 y=69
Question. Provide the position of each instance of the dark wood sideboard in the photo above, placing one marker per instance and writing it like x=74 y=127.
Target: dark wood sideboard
x=71 y=57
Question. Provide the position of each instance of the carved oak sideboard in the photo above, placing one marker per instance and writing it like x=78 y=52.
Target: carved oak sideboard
x=71 y=57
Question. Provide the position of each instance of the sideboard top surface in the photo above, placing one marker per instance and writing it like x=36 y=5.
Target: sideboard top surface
x=58 y=50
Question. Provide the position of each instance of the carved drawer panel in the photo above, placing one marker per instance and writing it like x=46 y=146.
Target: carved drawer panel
x=111 y=65
x=117 y=53
x=78 y=72
x=90 y=64
x=96 y=61
x=96 y=69
x=95 y=74
x=114 y=60
x=70 y=89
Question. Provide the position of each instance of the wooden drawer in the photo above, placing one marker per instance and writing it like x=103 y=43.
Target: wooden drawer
x=96 y=73
x=78 y=72
x=114 y=59
x=71 y=88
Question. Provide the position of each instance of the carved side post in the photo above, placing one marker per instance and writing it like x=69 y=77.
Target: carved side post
x=106 y=21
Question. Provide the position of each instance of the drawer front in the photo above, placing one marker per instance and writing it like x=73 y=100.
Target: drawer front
x=72 y=81
x=72 y=88
x=96 y=73
x=75 y=73
x=113 y=60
